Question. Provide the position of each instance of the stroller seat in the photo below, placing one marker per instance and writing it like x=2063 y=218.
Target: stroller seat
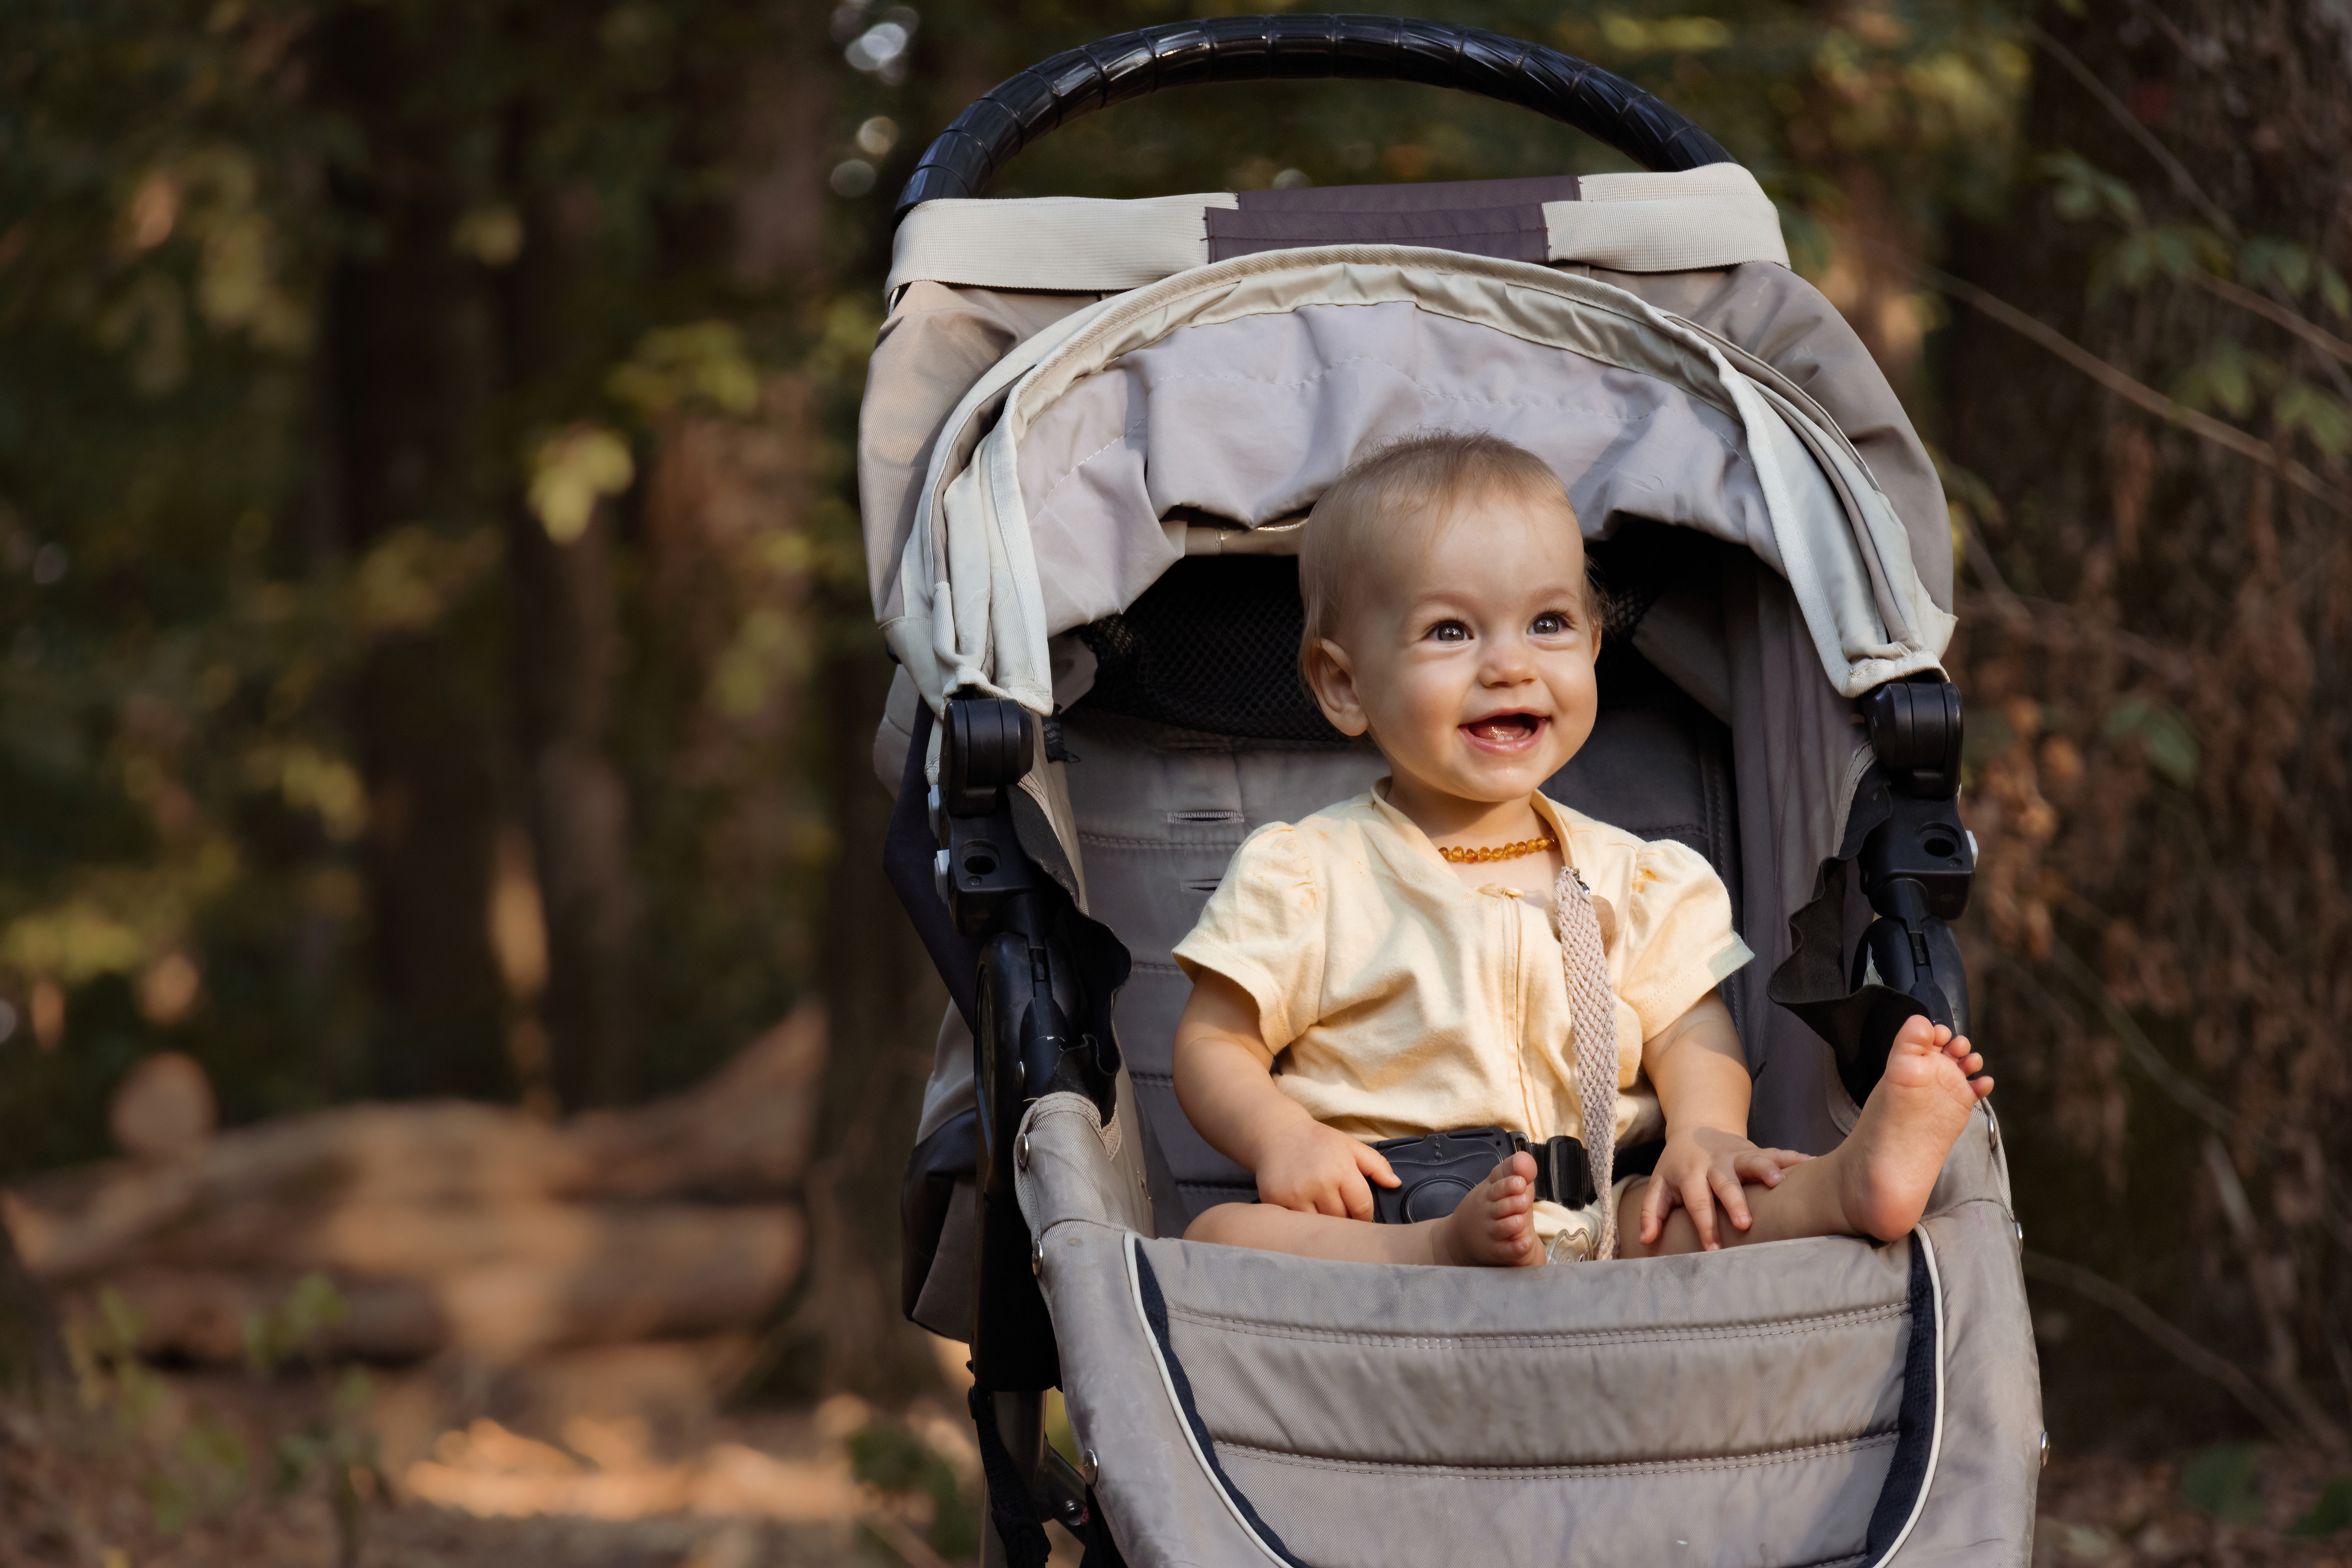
x=1795 y=1402
x=1091 y=434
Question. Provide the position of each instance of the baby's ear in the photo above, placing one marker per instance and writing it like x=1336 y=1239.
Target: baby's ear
x=1330 y=677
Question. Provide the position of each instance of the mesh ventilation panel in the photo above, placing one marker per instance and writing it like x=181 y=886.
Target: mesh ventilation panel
x=1214 y=645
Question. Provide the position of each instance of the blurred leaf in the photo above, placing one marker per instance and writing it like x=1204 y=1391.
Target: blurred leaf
x=2224 y=1480
x=897 y=1463
x=703 y=365
x=572 y=472
x=277 y=1334
x=1664 y=35
x=2163 y=733
x=2332 y=291
x=414 y=575
x=2224 y=379
x=2085 y=192
x=2262 y=262
x=2319 y=415
x=2331 y=1513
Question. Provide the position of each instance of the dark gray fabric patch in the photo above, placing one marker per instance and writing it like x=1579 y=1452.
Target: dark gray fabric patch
x=1502 y=218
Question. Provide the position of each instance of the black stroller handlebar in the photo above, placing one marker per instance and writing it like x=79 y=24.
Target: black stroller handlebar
x=1016 y=112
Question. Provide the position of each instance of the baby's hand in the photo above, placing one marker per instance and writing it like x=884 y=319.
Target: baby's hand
x=1319 y=1170
x=1705 y=1166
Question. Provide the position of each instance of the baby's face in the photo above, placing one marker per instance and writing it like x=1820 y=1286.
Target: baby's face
x=1470 y=659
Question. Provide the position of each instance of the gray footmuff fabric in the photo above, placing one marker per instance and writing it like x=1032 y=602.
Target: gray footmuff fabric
x=1761 y=1408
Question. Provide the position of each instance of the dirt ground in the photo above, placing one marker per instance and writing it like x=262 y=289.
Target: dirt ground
x=2098 y=1511
x=624 y=1458
x=621 y=1457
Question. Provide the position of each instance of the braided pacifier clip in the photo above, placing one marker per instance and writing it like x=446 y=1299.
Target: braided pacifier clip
x=1594 y=1005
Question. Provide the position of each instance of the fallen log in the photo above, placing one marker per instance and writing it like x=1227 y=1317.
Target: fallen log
x=450 y=1224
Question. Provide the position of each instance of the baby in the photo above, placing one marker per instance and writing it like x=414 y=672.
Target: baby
x=1390 y=966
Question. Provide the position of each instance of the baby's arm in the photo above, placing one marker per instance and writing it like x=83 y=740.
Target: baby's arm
x=1701 y=1076
x=1225 y=1081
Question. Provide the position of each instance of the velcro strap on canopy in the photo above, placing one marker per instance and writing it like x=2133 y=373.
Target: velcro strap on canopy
x=1712 y=216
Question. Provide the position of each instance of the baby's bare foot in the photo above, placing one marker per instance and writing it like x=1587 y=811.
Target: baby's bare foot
x=1493 y=1227
x=1914 y=1116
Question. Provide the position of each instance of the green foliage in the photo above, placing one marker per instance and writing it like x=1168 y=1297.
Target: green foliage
x=2084 y=193
x=280 y=1333
x=2226 y=378
x=2226 y=374
x=2225 y=1480
x=103 y=1350
x=2331 y=1513
x=897 y=1463
x=2296 y=271
x=200 y=1469
x=2162 y=733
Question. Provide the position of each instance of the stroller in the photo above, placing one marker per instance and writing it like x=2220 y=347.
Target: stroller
x=1091 y=433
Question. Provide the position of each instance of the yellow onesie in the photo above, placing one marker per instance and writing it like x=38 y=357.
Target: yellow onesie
x=1399 y=1000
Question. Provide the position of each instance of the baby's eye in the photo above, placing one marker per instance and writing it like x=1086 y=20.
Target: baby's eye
x=1550 y=624
x=1448 y=631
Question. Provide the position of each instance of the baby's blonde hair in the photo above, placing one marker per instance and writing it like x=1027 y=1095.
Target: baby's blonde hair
x=1414 y=477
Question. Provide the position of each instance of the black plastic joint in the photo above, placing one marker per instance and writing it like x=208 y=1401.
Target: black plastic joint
x=1919 y=856
x=1915 y=727
x=988 y=745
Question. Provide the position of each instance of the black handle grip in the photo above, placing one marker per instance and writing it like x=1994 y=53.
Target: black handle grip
x=1014 y=114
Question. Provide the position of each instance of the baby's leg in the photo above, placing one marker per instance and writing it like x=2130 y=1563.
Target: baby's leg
x=1492 y=1228
x=1876 y=1183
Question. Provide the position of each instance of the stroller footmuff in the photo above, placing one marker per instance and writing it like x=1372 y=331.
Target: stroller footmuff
x=1092 y=431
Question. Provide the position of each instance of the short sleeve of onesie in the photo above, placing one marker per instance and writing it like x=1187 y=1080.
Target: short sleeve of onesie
x=1264 y=930
x=1677 y=937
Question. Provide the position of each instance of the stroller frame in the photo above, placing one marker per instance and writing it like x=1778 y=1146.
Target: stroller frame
x=976 y=859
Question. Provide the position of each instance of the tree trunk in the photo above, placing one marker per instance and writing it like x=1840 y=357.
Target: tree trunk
x=409 y=372
x=565 y=658
x=2156 y=670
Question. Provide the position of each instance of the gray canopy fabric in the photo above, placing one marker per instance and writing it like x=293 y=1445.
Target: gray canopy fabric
x=939 y=340
x=1475 y=342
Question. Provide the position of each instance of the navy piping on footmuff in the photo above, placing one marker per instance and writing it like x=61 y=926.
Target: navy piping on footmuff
x=1907 y=1474
x=1155 y=1312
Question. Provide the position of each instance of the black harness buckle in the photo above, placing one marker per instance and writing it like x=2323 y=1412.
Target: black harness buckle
x=1437 y=1170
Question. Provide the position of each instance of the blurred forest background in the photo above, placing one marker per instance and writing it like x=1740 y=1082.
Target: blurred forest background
x=437 y=661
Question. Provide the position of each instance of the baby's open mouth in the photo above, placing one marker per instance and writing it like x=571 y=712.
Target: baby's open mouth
x=1504 y=729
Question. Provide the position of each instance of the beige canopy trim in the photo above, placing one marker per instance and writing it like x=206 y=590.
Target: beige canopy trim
x=1068 y=244
x=1714 y=217
x=973 y=611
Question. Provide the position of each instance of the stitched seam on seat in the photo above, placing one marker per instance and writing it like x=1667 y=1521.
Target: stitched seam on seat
x=1508 y=1340
x=1515 y=1473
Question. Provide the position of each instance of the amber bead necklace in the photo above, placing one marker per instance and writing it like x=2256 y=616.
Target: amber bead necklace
x=1480 y=856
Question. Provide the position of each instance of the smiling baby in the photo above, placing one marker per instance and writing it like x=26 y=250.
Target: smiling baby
x=1414 y=961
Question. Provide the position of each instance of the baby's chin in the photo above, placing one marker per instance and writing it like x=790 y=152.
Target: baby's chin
x=1473 y=775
